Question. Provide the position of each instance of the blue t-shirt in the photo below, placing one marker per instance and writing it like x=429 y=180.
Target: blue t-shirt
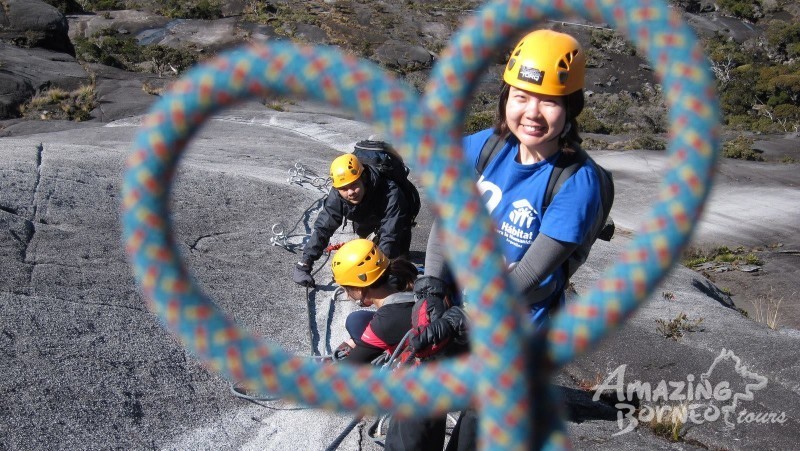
x=514 y=194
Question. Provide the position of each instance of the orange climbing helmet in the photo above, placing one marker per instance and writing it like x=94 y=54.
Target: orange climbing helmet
x=345 y=170
x=359 y=263
x=547 y=62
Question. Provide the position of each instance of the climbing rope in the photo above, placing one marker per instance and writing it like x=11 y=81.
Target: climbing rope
x=508 y=384
x=280 y=237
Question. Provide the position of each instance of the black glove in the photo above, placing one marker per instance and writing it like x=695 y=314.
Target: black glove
x=432 y=295
x=342 y=351
x=301 y=275
x=451 y=326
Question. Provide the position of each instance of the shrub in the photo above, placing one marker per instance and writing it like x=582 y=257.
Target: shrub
x=743 y=9
x=57 y=103
x=610 y=41
x=784 y=37
x=164 y=58
x=111 y=48
x=66 y=6
x=741 y=148
x=102 y=5
x=478 y=121
x=594 y=144
x=198 y=9
x=589 y=123
x=646 y=142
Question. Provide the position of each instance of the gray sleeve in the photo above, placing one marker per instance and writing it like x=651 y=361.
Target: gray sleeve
x=435 y=264
x=543 y=257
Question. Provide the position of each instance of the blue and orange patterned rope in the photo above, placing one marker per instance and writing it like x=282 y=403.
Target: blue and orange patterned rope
x=507 y=374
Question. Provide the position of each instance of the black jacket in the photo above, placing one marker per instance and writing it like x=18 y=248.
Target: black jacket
x=384 y=210
x=386 y=329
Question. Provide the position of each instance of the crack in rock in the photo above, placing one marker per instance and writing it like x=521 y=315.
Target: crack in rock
x=30 y=221
x=10 y=210
x=193 y=246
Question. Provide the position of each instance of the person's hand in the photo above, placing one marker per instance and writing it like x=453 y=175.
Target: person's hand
x=301 y=275
x=432 y=297
x=342 y=351
x=451 y=326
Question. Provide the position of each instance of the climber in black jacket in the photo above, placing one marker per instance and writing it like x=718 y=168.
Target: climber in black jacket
x=374 y=203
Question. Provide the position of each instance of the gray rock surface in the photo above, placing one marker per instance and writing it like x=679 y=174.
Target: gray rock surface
x=34 y=23
x=403 y=56
x=126 y=21
x=28 y=70
x=86 y=366
x=210 y=35
x=121 y=94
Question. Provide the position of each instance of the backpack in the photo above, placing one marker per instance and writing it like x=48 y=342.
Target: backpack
x=565 y=166
x=382 y=157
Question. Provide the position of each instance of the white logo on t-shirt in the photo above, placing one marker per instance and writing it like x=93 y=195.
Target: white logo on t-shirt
x=522 y=216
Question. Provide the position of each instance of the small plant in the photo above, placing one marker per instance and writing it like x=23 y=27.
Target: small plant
x=646 y=142
x=594 y=144
x=590 y=385
x=738 y=256
x=766 y=308
x=668 y=295
x=668 y=422
x=275 y=105
x=152 y=90
x=752 y=259
x=675 y=328
x=787 y=159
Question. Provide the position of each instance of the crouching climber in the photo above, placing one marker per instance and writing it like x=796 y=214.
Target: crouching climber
x=371 y=279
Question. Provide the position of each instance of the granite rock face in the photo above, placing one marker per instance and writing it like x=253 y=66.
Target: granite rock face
x=87 y=366
x=27 y=71
x=33 y=23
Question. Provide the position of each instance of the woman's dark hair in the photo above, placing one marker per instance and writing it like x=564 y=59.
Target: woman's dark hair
x=573 y=103
x=400 y=274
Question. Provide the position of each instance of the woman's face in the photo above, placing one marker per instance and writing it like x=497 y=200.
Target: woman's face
x=537 y=120
x=357 y=295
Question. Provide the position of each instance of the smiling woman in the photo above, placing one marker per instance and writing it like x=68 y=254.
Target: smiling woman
x=541 y=97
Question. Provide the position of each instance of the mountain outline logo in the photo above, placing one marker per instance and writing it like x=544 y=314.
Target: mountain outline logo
x=746 y=374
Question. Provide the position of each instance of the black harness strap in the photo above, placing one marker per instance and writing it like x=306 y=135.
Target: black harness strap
x=488 y=152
